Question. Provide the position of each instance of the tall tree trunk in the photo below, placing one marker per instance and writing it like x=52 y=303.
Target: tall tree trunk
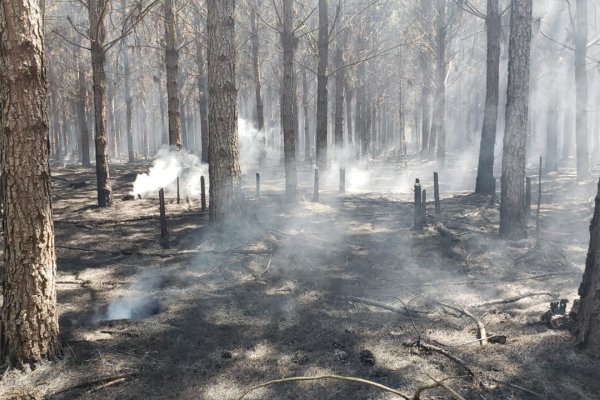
x=288 y=98
x=513 y=224
x=226 y=199
x=128 y=98
x=439 y=120
x=113 y=137
x=360 y=124
x=81 y=114
x=587 y=325
x=424 y=102
x=340 y=83
x=485 y=183
x=96 y=16
x=322 y=85
x=202 y=93
x=172 y=61
x=29 y=318
x=307 y=151
x=349 y=95
x=260 y=117
x=551 y=159
x=401 y=116
x=581 y=89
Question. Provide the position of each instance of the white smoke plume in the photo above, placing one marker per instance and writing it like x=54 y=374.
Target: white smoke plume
x=169 y=164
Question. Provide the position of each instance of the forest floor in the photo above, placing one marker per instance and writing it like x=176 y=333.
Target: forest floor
x=284 y=293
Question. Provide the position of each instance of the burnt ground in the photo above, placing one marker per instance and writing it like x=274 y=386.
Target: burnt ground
x=276 y=295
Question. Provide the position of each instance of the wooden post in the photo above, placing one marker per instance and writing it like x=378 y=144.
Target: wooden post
x=178 y=197
x=436 y=193
x=164 y=234
x=424 y=208
x=539 y=204
x=342 y=180
x=527 y=197
x=417 y=223
x=257 y=185
x=316 y=187
x=202 y=193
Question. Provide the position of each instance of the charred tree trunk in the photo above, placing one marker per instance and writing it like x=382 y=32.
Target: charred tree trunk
x=29 y=316
x=128 y=99
x=485 y=171
x=260 y=117
x=425 y=98
x=513 y=224
x=226 y=200
x=322 y=85
x=172 y=61
x=96 y=16
x=81 y=115
x=439 y=113
x=307 y=152
x=340 y=83
x=349 y=95
x=202 y=94
x=587 y=325
x=288 y=98
x=551 y=160
x=581 y=89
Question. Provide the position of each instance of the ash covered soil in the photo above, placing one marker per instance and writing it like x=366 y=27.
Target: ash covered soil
x=285 y=292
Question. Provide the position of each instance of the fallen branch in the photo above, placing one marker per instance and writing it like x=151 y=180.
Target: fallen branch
x=435 y=384
x=105 y=379
x=420 y=344
x=512 y=299
x=321 y=377
x=107 y=384
x=382 y=305
x=481 y=332
x=454 y=394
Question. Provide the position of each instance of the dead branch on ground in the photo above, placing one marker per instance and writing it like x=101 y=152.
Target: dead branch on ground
x=481 y=332
x=512 y=299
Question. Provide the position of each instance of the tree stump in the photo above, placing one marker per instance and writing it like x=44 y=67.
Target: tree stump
x=436 y=193
x=418 y=222
x=257 y=185
x=164 y=234
x=527 y=197
x=316 y=187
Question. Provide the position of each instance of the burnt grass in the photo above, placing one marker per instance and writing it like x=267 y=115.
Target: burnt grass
x=274 y=295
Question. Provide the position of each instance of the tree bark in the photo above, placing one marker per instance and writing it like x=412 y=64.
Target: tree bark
x=340 y=83
x=226 y=200
x=81 y=115
x=98 y=30
x=202 y=93
x=288 y=98
x=513 y=224
x=587 y=325
x=260 y=117
x=172 y=61
x=128 y=97
x=581 y=90
x=485 y=183
x=551 y=159
x=307 y=150
x=29 y=318
x=424 y=102
x=322 y=102
x=439 y=120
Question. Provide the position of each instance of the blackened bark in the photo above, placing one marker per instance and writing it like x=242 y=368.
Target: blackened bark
x=321 y=142
x=288 y=98
x=513 y=224
x=172 y=61
x=97 y=28
x=485 y=183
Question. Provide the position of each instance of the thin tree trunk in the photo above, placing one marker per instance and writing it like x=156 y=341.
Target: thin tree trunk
x=425 y=107
x=485 y=183
x=322 y=85
x=513 y=224
x=96 y=16
x=29 y=317
x=202 y=94
x=349 y=95
x=172 y=60
x=128 y=98
x=226 y=199
x=551 y=159
x=307 y=151
x=260 y=118
x=581 y=89
x=288 y=98
x=340 y=83
x=439 y=120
